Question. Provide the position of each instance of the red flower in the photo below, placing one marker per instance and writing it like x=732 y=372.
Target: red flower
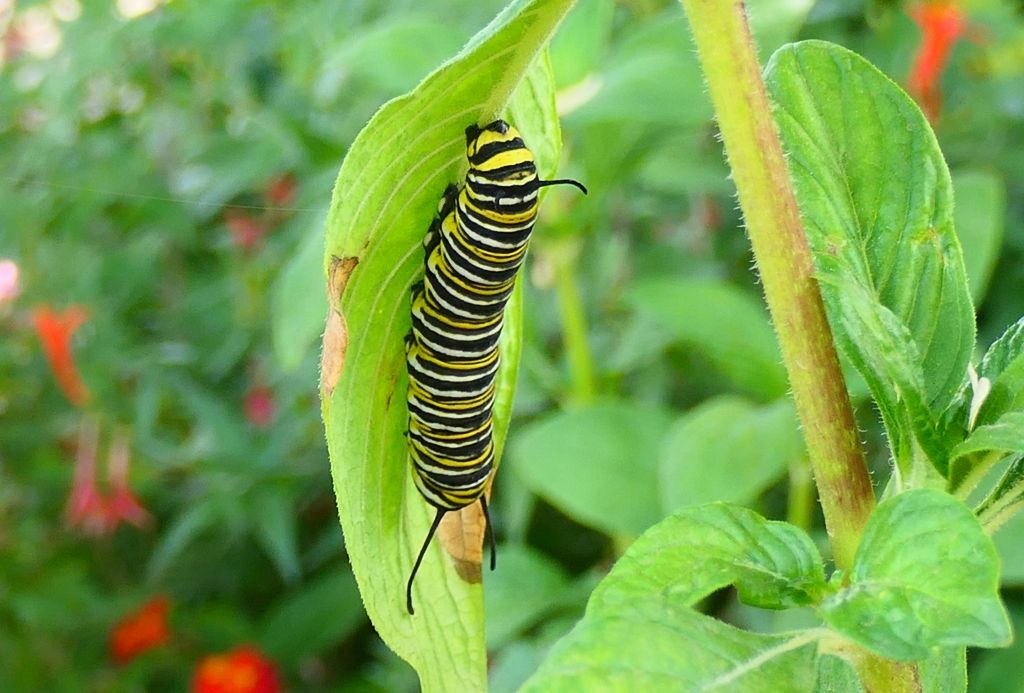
x=86 y=508
x=246 y=230
x=90 y=510
x=280 y=191
x=243 y=670
x=259 y=405
x=122 y=504
x=942 y=24
x=55 y=331
x=140 y=630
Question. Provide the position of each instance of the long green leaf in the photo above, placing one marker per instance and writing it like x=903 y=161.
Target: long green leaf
x=385 y=196
x=877 y=202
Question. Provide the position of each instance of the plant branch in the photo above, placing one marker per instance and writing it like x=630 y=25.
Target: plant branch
x=784 y=260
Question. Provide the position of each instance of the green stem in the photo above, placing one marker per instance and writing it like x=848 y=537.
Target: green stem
x=574 y=326
x=784 y=260
x=801 y=494
x=752 y=145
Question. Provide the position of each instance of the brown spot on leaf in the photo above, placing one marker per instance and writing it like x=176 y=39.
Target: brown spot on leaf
x=335 y=342
x=462 y=536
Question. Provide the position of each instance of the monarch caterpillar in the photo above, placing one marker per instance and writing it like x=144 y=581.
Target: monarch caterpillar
x=473 y=250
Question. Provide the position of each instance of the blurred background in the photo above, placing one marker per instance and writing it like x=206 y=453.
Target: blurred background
x=166 y=513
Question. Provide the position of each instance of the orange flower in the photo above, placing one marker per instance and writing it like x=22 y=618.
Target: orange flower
x=242 y=670
x=141 y=630
x=280 y=191
x=942 y=25
x=55 y=331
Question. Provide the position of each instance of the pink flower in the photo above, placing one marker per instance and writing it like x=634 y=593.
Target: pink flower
x=246 y=230
x=9 y=284
x=259 y=405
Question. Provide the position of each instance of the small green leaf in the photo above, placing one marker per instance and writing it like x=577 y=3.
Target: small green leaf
x=1006 y=498
x=313 y=617
x=1009 y=541
x=980 y=214
x=520 y=593
x=719 y=320
x=298 y=304
x=582 y=40
x=728 y=449
x=1005 y=435
x=277 y=533
x=945 y=671
x=698 y=550
x=385 y=196
x=836 y=675
x=598 y=464
x=996 y=439
x=1003 y=365
x=925 y=575
x=877 y=203
x=641 y=633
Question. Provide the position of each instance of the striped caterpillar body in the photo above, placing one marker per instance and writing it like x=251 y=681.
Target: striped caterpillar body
x=474 y=249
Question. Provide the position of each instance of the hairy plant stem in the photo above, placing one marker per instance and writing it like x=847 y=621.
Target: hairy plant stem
x=752 y=146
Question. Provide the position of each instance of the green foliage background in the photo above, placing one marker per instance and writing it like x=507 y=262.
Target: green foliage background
x=119 y=158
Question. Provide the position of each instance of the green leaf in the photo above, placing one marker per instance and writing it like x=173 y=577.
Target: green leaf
x=996 y=440
x=598 y=464
x=889 y=361
x=945 y=671
x=277 y=533
x=980 y=214
x=729 y=326
x=1002 y=671
x=660 y=645
x=728 y=449
x=877 y=203
x=1003 y=365
x=385 y=196
x=699 y=550
x=925 y=576
x=582 y=40
x=631 y=89
x=1009 y=541
x=313 y=617
x=298 y=304
x=1006 y=498
x=836 y=675
x=641 y=633
x=527 y=586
